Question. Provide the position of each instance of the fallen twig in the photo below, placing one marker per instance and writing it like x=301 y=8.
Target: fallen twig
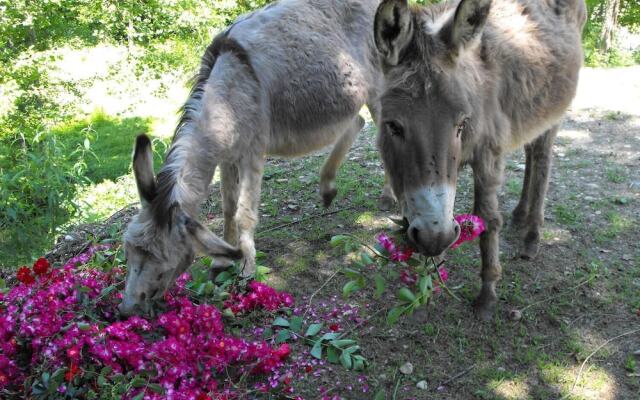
x=557 y=295
x=324 y=214
x=453 y=378
x=575 y=383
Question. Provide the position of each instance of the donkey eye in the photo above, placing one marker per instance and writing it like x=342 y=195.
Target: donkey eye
x=394 y=128
x=461 y=127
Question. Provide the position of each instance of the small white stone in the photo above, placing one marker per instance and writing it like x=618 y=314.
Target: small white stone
x=515 y=315
x=68 y=238
x=407 y=368
x=422 y=385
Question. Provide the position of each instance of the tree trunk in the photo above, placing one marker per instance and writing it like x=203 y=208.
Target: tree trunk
x=609 y=22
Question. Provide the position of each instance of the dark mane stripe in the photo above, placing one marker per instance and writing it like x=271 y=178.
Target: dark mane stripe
x=167 y=177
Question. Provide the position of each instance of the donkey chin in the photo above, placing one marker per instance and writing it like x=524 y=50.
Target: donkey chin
x=429 y=212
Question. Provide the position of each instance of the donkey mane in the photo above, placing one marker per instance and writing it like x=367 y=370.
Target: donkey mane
x=167 y=196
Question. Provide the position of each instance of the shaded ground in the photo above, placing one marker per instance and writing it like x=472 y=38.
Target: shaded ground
x=591 y=234
x=591 y=231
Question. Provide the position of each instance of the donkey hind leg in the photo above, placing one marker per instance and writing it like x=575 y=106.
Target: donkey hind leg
x=250 y=170
x=328 y=172
x=229 y=186
x=487 y=180
x=541 y=157
x=521 y=212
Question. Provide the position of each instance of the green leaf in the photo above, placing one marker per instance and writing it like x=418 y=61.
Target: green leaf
x=406 y=295
x=366 y=259
x=380 y=395
x=380 y=285
x=424 y=285
x=281 y=322
x=139 y=396
x=394 y=314
x=296 y=324
x=332 y=355
x=330 y=336
x=283 y=336
x=138 y=382
x=338 y=240
x=345 y=360
x=267 y=333
x=156 y=388
x=341 y=343
x=101 y=380
x=106 y=371
x=223 y=277
x=313 y=330
x=349 y=288
x=316 y=350
x=352 y=349
x=352 y=273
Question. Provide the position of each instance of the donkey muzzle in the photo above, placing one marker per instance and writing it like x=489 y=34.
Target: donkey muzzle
x=430 y=213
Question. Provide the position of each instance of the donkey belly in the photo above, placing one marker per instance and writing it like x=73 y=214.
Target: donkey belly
x=288 y=143
x=315 y=64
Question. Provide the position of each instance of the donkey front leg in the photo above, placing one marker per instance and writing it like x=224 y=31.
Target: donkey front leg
x=541 y=156
x=229 y=186
x=251 y=168
x=328 y=172
x=487 y=173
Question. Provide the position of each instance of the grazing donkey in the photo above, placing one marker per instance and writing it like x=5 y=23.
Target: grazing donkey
x=466 y=82
x=286 y=80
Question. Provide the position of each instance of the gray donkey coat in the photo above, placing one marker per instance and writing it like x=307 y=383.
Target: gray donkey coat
x=467 y=82
x=285 y=80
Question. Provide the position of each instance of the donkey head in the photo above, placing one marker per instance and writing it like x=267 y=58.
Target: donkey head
x=427 y=104
x=157 y=251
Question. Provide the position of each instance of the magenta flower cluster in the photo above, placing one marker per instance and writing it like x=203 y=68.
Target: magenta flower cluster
x=65 y=319
x=259 y=295
x=396 y=253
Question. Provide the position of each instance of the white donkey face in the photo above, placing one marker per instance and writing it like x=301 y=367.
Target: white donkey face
x=157 y=253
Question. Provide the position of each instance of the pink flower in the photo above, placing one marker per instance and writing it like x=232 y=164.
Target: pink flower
x=396 y=253
x=386 y=242
x=471 y=226
x=444 y=274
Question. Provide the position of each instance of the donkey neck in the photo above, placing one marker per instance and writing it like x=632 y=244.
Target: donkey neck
x=185 y=175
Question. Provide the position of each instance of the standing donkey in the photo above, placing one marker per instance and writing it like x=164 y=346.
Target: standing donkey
x=285 y=80
x=466 y=82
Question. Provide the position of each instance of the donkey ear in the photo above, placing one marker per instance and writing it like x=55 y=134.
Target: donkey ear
x=210 y=244
x=468 y=22
x=393 y=29
x=143 y=169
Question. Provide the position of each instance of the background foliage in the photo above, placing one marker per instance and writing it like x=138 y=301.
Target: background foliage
x=55 y=149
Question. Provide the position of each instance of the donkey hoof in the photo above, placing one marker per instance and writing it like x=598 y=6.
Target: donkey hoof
x=247 y=268
x=485 y=305
x=328 y=196
x=530 y=251
x=531 y=246
x=386 y=203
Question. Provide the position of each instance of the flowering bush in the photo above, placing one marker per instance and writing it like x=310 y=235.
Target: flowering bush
x=421 y=276
x=60 y=338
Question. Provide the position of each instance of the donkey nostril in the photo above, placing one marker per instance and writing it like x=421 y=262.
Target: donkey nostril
x=143 y=296
x=457 y=229
x=413 y=234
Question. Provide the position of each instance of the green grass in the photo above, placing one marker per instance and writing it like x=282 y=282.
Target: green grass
x=110 y=141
